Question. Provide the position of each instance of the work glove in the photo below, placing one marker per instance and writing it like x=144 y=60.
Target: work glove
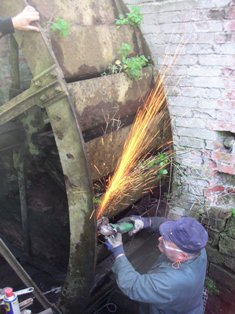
x=114 y=244
x=139 y=223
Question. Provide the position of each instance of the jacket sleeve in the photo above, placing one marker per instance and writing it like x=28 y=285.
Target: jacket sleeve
x=148 y=288
x=6 y=26
x=155 y=223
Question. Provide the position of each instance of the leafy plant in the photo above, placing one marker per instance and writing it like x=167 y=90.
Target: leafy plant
x=61 y=26
x=211 y=286
x=96 y=200
x=115 y=68
x=133 y=18
x=233 y=212
x=132 y=66
x=160 y=160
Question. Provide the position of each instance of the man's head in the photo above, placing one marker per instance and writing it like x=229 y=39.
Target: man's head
x=182 y=238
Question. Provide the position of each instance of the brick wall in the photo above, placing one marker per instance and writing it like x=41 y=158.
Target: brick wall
x=201 y=100
x=200 y=91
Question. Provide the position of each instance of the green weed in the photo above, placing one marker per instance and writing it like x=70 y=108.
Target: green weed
x=211 y=286
x=161 y=160
x=133 y=18
x=96 y=200
x=132 y=66
x=61 y=26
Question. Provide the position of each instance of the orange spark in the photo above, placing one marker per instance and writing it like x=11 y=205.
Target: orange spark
x=127 y=176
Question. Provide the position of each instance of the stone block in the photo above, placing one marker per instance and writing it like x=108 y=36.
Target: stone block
x=191 y=123
x=196 y=190
x=214 y=82
x=191 y=142
x=197 y=133
x=181 y=101
x=223 y=115
x=208 y=104
x=227 y=245
x=219 y=212
x=206 y=114
x=226 y=49
x=176 y=212
x=214 y=256
x=216 y=60
x=230 y=228
x=213 y=238
x=229 y=261
x=204 y=71
x=214 y=224
x=203 y=26
x=180 y=111
x=210 y=145
x=215 y=3
x=216 y=14
x=225 y=281
x=186 y=59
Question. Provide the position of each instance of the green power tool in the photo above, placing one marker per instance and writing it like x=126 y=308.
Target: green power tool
x=106 y=228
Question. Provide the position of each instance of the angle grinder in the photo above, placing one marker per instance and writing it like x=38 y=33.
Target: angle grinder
x=106 y=228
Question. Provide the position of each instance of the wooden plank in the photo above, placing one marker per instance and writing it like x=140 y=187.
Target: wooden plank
x=93 y=40
x=109 y=101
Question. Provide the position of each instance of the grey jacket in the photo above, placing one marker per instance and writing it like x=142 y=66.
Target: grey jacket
x=164 y=290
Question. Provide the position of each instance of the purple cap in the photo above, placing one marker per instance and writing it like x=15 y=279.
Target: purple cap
x=187 y=233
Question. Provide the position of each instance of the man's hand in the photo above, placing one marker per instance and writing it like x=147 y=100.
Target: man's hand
x=22 y=20
x=114 y=244
x=139 y=223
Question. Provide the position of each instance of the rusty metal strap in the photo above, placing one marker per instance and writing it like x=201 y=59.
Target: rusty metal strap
x=46 y=88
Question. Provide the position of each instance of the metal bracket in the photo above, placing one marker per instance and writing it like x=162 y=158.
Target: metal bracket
x=46 y=88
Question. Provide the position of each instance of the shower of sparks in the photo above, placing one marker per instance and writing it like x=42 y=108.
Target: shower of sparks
x=131 y=169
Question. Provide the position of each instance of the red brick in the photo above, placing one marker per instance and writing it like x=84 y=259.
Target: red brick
x=223 y=157
x=214 y=189
x=230 y=13
x=228 y=72
x=231 y=95
x=226 y=169
x=222 y=126
x=230 y=26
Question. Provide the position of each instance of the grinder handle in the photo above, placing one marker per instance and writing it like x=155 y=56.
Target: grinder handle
x=124 y=227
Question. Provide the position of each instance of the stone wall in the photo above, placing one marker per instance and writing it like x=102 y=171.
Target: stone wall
x=200 y=86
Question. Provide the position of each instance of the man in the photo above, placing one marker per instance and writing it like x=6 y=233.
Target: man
x=176 y=281
x=21 y=21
